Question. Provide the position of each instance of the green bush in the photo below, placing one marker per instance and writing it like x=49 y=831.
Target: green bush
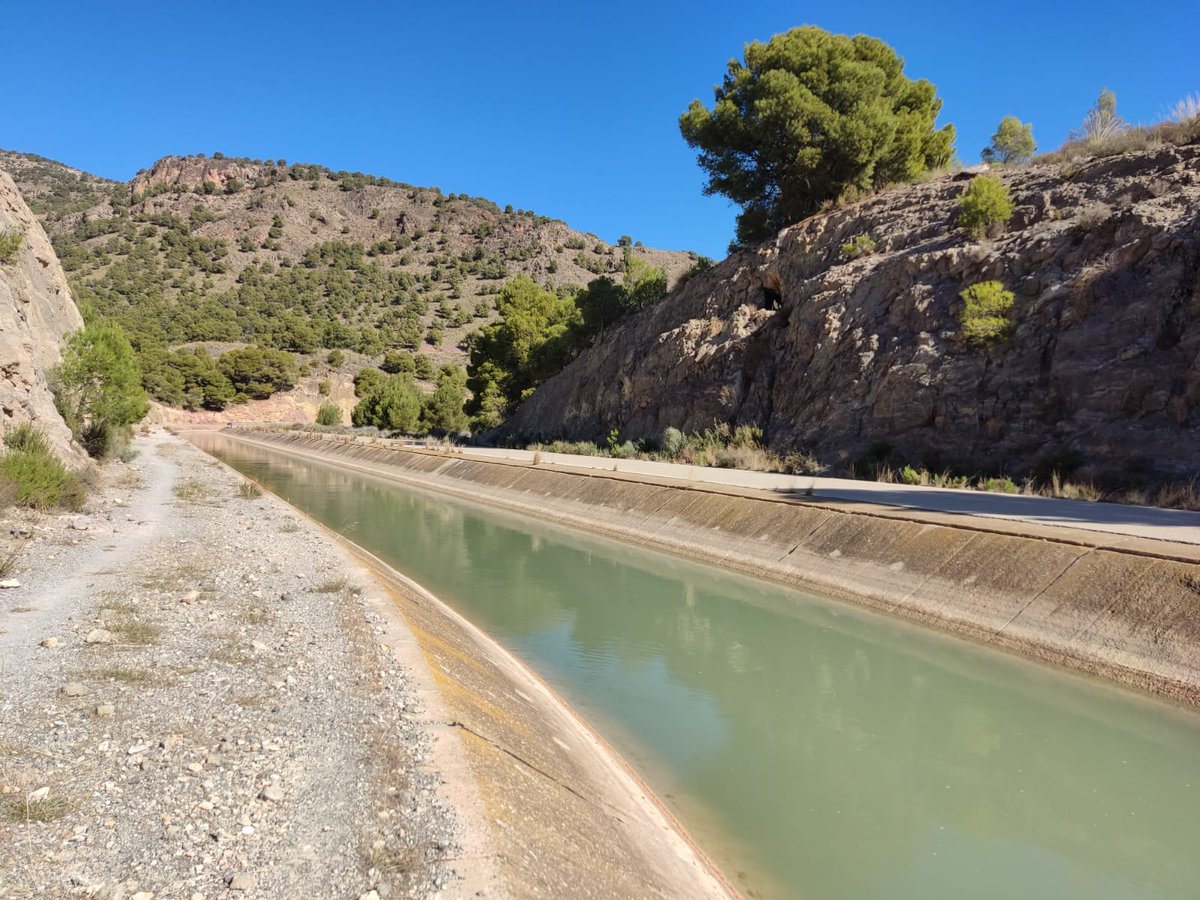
x=10 y=243
x=336 y=358
x=985 y=207
x=398 y=362
x=98 y=387
x=324 y=387
x=37 y=478
x=366 y=381
x=423 y=368
x=28 y=438
x=859 y=245
x=393 y=404
x=672 y=441
x=985 y=313
x=329 y=414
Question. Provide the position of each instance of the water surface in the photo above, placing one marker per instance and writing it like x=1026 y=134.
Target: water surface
x=813 y=749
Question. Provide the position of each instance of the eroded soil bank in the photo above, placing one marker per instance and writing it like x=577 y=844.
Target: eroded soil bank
x=1124 y=609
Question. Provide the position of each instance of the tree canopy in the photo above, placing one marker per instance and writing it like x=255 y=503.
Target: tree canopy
x=1012 y=143
x=98 y=386
x=808 y=116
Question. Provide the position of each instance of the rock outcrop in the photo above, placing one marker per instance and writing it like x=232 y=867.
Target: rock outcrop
x=36 y=313
x=832 y=355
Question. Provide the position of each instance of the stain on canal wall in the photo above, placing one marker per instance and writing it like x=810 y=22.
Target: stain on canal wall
x=1064 y=597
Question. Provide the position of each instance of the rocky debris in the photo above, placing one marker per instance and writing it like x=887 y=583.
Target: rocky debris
x=197 y=764
x=832 y=355
x=36 y=314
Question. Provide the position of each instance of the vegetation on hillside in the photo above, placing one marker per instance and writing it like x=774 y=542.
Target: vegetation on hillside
x=808 y=118
x=10 y=243
x=539 y=331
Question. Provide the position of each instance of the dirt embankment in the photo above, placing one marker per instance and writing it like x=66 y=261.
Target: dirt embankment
x=1074 y=598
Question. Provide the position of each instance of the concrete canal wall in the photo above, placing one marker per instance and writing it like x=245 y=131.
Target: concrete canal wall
x=1128 y=610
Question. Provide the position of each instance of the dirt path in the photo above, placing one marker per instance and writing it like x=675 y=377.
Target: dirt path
x=221 y=711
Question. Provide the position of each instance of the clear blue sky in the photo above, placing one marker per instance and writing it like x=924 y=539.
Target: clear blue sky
x=568 y=109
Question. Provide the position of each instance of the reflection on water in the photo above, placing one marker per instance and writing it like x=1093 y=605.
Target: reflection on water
x=813 y=749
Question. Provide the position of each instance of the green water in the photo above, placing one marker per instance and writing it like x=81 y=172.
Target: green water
x=813 y=749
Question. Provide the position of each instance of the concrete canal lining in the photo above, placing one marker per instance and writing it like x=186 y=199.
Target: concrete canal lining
x=1125 y=609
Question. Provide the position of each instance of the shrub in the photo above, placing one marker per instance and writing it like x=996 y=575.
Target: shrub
x=324 y=387
x=985 y=314
x=672 y=441
x=38 y=478
x=28 y=438
x=423 y=367
x=336 y=358
x=366 y=381
x=859 y=245
x=393 y=404
x=10 y=243
x=398 y=362
x=985 y=207
x=329 y=414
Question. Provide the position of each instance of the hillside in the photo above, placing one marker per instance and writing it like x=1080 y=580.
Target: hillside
x=299 y=257
x=851 y=358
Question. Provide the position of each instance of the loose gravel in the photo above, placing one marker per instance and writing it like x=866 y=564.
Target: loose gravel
x=194 y=704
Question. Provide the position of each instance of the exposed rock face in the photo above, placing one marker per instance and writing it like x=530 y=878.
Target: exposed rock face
x=193 y=172
x=832 y=355
x=36 y=313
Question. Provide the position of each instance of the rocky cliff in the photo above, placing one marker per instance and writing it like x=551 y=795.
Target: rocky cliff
x=833 y=355
x=36 y=312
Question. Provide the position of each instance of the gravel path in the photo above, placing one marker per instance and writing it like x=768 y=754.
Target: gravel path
x=195 y=703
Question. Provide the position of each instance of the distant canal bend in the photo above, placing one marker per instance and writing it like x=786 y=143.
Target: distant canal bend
x=813 y=749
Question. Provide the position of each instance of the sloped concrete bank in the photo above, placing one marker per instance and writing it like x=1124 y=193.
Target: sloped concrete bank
x=1128 y=612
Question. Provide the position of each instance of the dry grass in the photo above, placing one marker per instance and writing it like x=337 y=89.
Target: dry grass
x=9 y=560
x=1178 y=495
x=28 y=808
x=257 y=615
x=122 y=675
x=135 y=632
x=193 y=490
x=248 y=490
x=332 y=586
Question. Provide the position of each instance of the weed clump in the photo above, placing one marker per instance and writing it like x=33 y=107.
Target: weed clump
x=858 y=246
x=33 y=477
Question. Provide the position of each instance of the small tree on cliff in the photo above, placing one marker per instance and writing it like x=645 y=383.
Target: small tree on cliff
x=1012 y=143
x=807 y=117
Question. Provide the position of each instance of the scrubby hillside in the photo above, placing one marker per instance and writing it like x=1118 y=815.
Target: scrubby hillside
x=300 y=257
x=36 y=313
x=851 y=357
